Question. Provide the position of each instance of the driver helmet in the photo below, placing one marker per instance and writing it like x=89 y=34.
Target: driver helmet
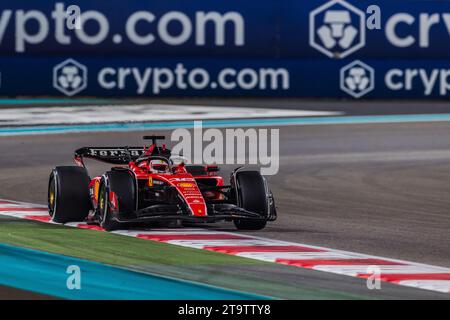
x=159 y=166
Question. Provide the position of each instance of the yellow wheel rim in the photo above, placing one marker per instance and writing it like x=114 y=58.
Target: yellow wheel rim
x=51 y=195
x=100 y=201
x=52 y=198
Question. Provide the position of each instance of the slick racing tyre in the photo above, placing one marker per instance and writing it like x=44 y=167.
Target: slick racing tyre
x=252 y=196
x=122 y=184
x=68 y=194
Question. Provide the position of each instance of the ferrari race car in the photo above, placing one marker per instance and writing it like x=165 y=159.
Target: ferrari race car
x=151 y=185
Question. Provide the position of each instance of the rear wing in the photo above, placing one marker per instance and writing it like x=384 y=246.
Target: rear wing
x=112 y=155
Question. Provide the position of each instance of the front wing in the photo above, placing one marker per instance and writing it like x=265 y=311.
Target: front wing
x=216 y=212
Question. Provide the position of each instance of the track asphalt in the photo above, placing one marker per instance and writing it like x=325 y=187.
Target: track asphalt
x=380 y=189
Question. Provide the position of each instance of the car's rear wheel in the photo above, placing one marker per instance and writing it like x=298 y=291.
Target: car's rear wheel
x=122 y=184
x=252 y=196
x=68 y=194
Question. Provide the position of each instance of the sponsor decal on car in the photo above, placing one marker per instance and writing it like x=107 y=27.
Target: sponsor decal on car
x=104 y=152
x=186 y=185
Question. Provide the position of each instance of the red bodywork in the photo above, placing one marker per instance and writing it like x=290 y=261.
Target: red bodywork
x=178 y=177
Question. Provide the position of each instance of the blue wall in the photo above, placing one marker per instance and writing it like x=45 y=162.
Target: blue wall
x=264 y=41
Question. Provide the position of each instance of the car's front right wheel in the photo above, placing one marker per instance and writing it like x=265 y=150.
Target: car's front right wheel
x=122 y=185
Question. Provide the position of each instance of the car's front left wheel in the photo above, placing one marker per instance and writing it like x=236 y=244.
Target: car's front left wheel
x=251 y=194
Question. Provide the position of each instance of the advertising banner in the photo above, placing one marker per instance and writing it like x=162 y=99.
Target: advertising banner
x=291 y=48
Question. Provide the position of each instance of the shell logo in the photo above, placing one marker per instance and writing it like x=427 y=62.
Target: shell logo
x=186 y=185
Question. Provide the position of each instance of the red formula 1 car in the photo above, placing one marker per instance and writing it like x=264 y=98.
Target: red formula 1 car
x=150 y=185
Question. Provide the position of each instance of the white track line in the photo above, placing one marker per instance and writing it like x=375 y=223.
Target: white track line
x=141 y=113
x=406 y=273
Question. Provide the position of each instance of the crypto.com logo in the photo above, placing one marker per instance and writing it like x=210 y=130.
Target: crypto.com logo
x=357 y=79
x=337 y=29
x=70 y=77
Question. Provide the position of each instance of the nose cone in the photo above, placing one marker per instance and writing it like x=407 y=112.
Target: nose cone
x=198 y=209
x=189 y=190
